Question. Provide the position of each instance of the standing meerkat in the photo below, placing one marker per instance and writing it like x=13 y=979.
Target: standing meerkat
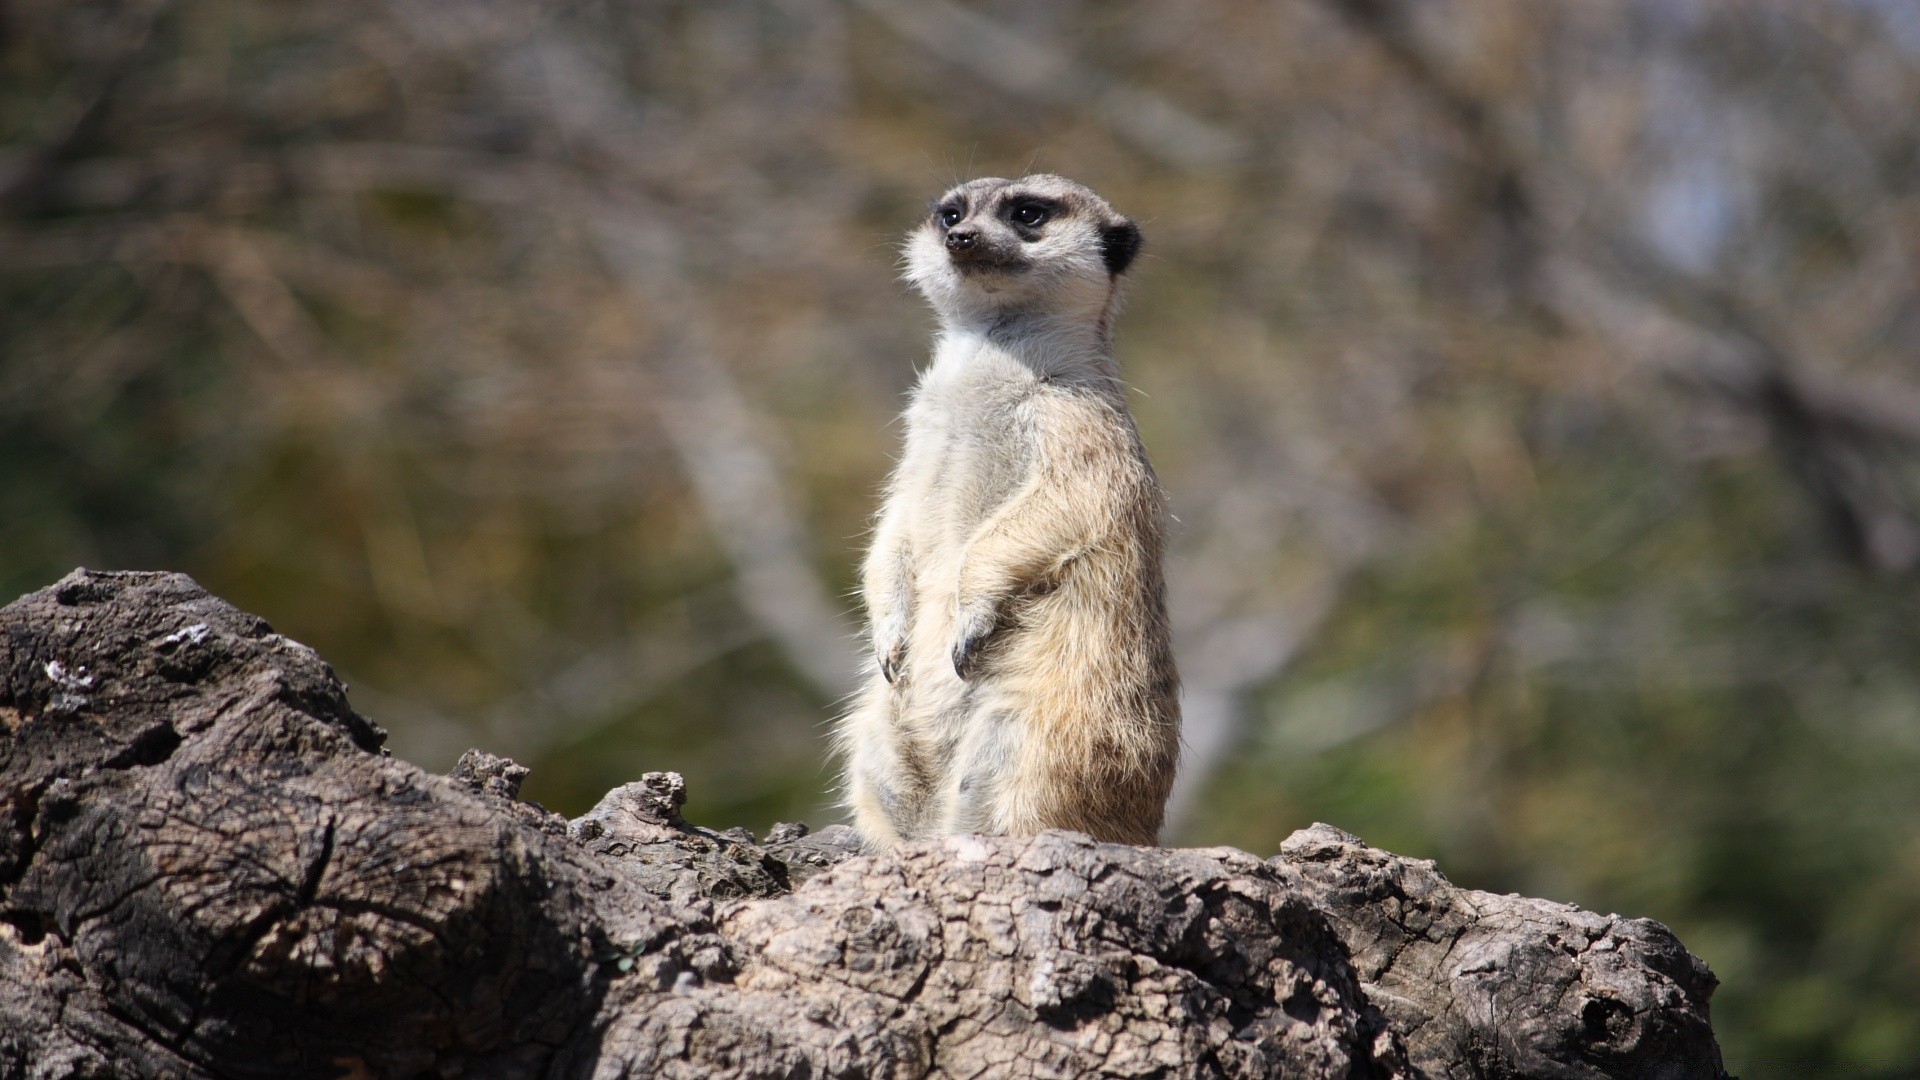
x=1023 y=674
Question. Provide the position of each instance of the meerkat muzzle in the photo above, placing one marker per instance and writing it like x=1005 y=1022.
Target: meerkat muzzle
x=973 y=252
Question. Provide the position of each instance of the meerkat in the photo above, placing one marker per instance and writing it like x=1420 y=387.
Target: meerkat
x=1022 y=674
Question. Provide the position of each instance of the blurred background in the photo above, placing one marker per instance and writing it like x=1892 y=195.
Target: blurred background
x=1536 y=386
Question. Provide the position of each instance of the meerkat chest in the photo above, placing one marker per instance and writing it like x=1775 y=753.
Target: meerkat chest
x=970 y=442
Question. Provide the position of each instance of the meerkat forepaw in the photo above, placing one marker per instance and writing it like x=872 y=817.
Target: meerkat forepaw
x=893 y=657
x=973 y=627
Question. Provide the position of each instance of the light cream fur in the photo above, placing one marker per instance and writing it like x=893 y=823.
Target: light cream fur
x=1023 y=676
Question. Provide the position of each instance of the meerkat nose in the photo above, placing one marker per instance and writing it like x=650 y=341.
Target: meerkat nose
x=961 y=238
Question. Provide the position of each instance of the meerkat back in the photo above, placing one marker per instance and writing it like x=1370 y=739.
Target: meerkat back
x=1023 y=677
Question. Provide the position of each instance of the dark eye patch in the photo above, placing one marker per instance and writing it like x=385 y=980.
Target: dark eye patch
x=950 y=212
x=1031 y=212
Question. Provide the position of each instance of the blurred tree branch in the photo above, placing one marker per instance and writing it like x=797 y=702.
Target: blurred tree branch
x=126 y=42
x=721 y=440
x=1045 y=73
x=1860 y=504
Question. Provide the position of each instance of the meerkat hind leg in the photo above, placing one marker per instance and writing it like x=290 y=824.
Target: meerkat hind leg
x=973 y=798
x=882 y=792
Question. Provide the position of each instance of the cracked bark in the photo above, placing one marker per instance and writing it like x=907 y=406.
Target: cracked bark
x=209 y=868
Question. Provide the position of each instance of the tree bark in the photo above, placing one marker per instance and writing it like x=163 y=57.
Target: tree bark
x=209 y=868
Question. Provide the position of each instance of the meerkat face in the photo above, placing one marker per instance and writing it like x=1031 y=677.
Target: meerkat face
x=1040 y=243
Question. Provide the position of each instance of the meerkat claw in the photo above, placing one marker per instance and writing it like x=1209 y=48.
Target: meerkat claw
x=964 y=655
x=973 y=628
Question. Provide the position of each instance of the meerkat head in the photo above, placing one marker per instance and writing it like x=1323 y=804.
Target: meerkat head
x=1040 y=244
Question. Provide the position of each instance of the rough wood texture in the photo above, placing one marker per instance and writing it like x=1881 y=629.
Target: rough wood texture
x=208 y=868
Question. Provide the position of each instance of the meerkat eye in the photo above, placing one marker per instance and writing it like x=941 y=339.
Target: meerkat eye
x=1030 y=215
x=950 y=216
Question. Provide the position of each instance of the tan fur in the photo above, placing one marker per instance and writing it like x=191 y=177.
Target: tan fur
x=1023 y=677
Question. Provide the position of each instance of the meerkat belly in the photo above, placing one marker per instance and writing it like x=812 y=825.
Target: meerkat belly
x=970 y=449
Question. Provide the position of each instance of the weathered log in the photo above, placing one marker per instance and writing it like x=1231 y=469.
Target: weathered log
x=209 y=868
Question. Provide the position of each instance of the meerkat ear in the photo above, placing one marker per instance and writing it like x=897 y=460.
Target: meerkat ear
x=1119 y=243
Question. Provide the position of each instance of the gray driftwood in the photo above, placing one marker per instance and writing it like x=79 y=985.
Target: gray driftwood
x=209 y=868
